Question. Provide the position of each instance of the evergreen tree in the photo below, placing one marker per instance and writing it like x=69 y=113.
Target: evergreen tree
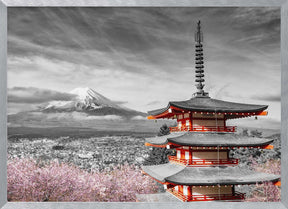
x=245 y=132
x=159 y=155
x=256 y=133
x=164 y=130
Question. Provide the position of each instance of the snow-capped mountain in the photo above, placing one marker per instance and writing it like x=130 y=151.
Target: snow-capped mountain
x=90 y=98
x=89 y=101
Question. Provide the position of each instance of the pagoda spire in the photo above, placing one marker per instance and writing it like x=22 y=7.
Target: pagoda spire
x=199 y=62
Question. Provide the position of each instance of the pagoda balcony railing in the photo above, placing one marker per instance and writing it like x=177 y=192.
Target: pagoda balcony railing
x=203 y=162
x=209 y=197
x=204 y=128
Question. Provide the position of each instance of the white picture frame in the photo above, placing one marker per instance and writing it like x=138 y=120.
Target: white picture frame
x=4 y=6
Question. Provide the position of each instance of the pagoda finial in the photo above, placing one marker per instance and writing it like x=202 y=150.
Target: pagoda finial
x=199 y=62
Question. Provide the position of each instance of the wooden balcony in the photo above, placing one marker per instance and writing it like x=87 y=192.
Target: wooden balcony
x=211 y=197
x=203 y=162
x=204 y=128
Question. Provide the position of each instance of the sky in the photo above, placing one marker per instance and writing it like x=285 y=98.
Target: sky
x=144 y=57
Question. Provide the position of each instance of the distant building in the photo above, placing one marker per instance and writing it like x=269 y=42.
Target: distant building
x=202 y=169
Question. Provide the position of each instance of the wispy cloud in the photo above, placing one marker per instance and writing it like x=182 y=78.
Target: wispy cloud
x=139 y=117
x=269 y=97
x=32 y=95
x=76 y=116
x=153 y=103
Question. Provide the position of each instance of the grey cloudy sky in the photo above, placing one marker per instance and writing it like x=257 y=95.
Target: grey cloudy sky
x=145 y=56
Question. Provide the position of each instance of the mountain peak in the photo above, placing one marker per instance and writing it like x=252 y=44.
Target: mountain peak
x=81 y=89
x=82 y=92
x=89 y=101
x=89 y=96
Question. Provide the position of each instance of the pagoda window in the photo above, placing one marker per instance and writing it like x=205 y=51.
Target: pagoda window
x=180 y=117
x=185 y=190
x=178 y=154
x=176 y=188
x=186 y=115
x=187 y=155
x=179 y=124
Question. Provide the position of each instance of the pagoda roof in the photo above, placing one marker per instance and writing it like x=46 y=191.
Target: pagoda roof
x=209 y=139
x=179 y=174
x=206 y=104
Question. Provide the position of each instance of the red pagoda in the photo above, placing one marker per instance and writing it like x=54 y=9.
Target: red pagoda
x=202 y=170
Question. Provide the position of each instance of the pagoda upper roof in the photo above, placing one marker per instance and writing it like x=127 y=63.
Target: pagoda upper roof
x=207 y=104
x=209 y=140
x=179 y=174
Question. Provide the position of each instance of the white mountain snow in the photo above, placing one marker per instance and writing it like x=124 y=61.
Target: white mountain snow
x=89 y=101
x=88 y=97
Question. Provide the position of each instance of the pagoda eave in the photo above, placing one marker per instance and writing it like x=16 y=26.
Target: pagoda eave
x=224 y=183
x=205 y=176
x=209 y=147
x=168 y=112
x=209 y=140
x=171 y=113
x=220 y=145
x=206 y=105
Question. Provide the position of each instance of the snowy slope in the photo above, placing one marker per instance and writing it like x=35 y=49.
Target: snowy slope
x=89 y=101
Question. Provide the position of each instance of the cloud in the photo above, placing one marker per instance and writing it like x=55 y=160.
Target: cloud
x=104 y=117
x=76 y=116
x=120 y=102
x=126 y=38
x=269 y=97
x=139 y=117
x=140 y=55
x=153 y=103
x=32 y=95
x=261 y=123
